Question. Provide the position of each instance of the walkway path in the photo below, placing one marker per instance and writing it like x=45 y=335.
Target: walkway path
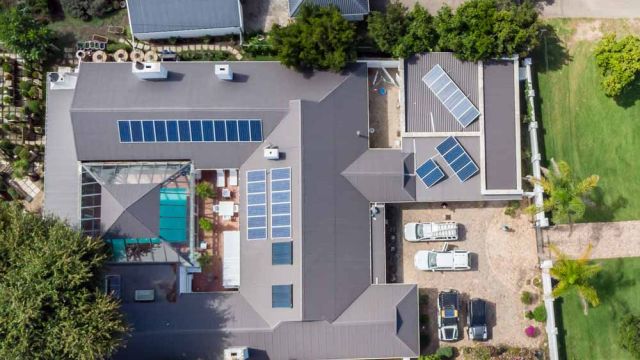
x=553 y=8
x=609 y=240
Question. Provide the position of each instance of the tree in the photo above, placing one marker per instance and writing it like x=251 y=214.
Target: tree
x=85 y=9
x=618 y=63
x=486 y=29
x=205 y=224
x=629 y=335
x=403 y=33
x=575 y=276
x=319 y=38
x=565 y=194
x=50 y=302
x=387 y=28
x=21 y=33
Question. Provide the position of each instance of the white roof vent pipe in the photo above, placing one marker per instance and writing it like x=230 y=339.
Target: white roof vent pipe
x=149 y=70
x=223 y=72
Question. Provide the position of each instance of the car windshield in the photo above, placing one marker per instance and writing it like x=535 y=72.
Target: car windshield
x=419 y=232
x=432 y=259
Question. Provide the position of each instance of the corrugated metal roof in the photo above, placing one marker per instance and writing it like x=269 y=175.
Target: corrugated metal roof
x=501 y=161
x=347 y=7
x=148 y=16
x=421 y=103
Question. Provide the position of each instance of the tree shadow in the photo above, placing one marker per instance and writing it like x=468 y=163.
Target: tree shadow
x=601 y=210
x=630 y=95
x=551 y=54
x=562 y=333
x=612 y=280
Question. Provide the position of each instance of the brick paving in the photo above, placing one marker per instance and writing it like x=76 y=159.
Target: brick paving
x=503 y=265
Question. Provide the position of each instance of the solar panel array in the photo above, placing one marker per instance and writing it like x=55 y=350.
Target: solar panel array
x=153 y=131
x=457 y=158
x=430 y=173
x=257 y=205
x=451 y=96
x=281 y=203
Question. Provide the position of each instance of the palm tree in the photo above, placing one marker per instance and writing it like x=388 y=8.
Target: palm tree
x=575 y=275
x=565 y=195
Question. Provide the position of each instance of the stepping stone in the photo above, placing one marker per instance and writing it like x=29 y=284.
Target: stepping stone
x=199 y=47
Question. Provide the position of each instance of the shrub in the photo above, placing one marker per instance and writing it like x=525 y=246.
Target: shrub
x=429 y=357
x=36 y=75
x=387 y=28
x=485 y=29
x=22 y=33
x=34 y=93
x=15 y=195
x=20 y=168
x=319 y=38
x=204 y=260
x=7 y=100
x=113 y=47
x=445 y=352
x=33 y=106
x=526 y=297
x=512 y=209
x=529 y=315
x=479 y=352
x=204 y=190
x=172 y=40
x=258 y=46
x=25 y=86
x=530 y=331
x=629 y=335
x=7 y=67
x=205 y=224
x=618 y=63
x=85 y=9
x=540 y=313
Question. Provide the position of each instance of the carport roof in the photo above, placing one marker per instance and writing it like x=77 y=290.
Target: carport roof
x=151 y=16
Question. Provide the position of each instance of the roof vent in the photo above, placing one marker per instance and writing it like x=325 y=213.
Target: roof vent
x=236 y=353
x=223 y=72
x=149 y=70
x=271 y=153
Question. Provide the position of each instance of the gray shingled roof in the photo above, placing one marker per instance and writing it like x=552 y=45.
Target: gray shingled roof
x=347 y=7
x=149 y=16
x=382 y=175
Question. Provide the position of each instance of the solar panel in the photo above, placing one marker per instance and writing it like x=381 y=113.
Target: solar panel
x=430 y=173
x=281 y=253
x=451 y=96
x=149 y=131
x=281 y=296
x=280 y=203
x=457 y=158
x=256 y=205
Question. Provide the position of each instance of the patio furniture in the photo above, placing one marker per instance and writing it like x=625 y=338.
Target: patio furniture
x=226 y=193
x=151 y=56
x=236 y=208
x=99 y=56
x=233 y=177
x=220 y=178
x=226 y=217
x=216 y=208
x=137 y=55
x=225 y=208
x=203 y=245
x=121 y=55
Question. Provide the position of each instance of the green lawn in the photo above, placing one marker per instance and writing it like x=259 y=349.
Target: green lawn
x=593 y=133
x=594 y=336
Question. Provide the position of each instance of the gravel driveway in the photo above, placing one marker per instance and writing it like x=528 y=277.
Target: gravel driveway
x=503 y=265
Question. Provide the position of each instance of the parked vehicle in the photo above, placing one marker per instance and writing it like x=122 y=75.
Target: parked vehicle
x=442 y=260
x=431 y=231
x=448 y=308
x=477 y=319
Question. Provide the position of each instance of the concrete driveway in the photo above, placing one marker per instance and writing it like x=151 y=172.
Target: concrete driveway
x=549 y=8
x=503 y=265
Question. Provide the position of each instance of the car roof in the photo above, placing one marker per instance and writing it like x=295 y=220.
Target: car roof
x=477 y=312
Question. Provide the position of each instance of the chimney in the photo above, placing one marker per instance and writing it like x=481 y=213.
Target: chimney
x=223 y=72
x=149 y=71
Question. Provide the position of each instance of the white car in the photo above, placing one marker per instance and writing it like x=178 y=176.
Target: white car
x=431 y=231
x=442 y=260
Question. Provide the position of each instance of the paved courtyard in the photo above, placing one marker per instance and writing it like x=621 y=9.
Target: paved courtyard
x=503 y=265
x=260 y=15
x=609 y=240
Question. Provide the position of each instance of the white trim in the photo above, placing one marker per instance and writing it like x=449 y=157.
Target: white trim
x=440 y=134
x=516 y=86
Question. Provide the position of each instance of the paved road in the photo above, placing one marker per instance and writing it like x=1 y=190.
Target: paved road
x=609 y=240
x=551 y=8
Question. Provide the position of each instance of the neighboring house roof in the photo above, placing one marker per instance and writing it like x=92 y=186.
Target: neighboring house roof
x=347 y=7
x=152 y=16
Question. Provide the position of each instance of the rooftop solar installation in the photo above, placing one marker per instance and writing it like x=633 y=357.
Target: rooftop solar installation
x=430 y=173
x=457 y=158
x=451 y=96
x=257 y=205
x=159 y=131
x=281 y=203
